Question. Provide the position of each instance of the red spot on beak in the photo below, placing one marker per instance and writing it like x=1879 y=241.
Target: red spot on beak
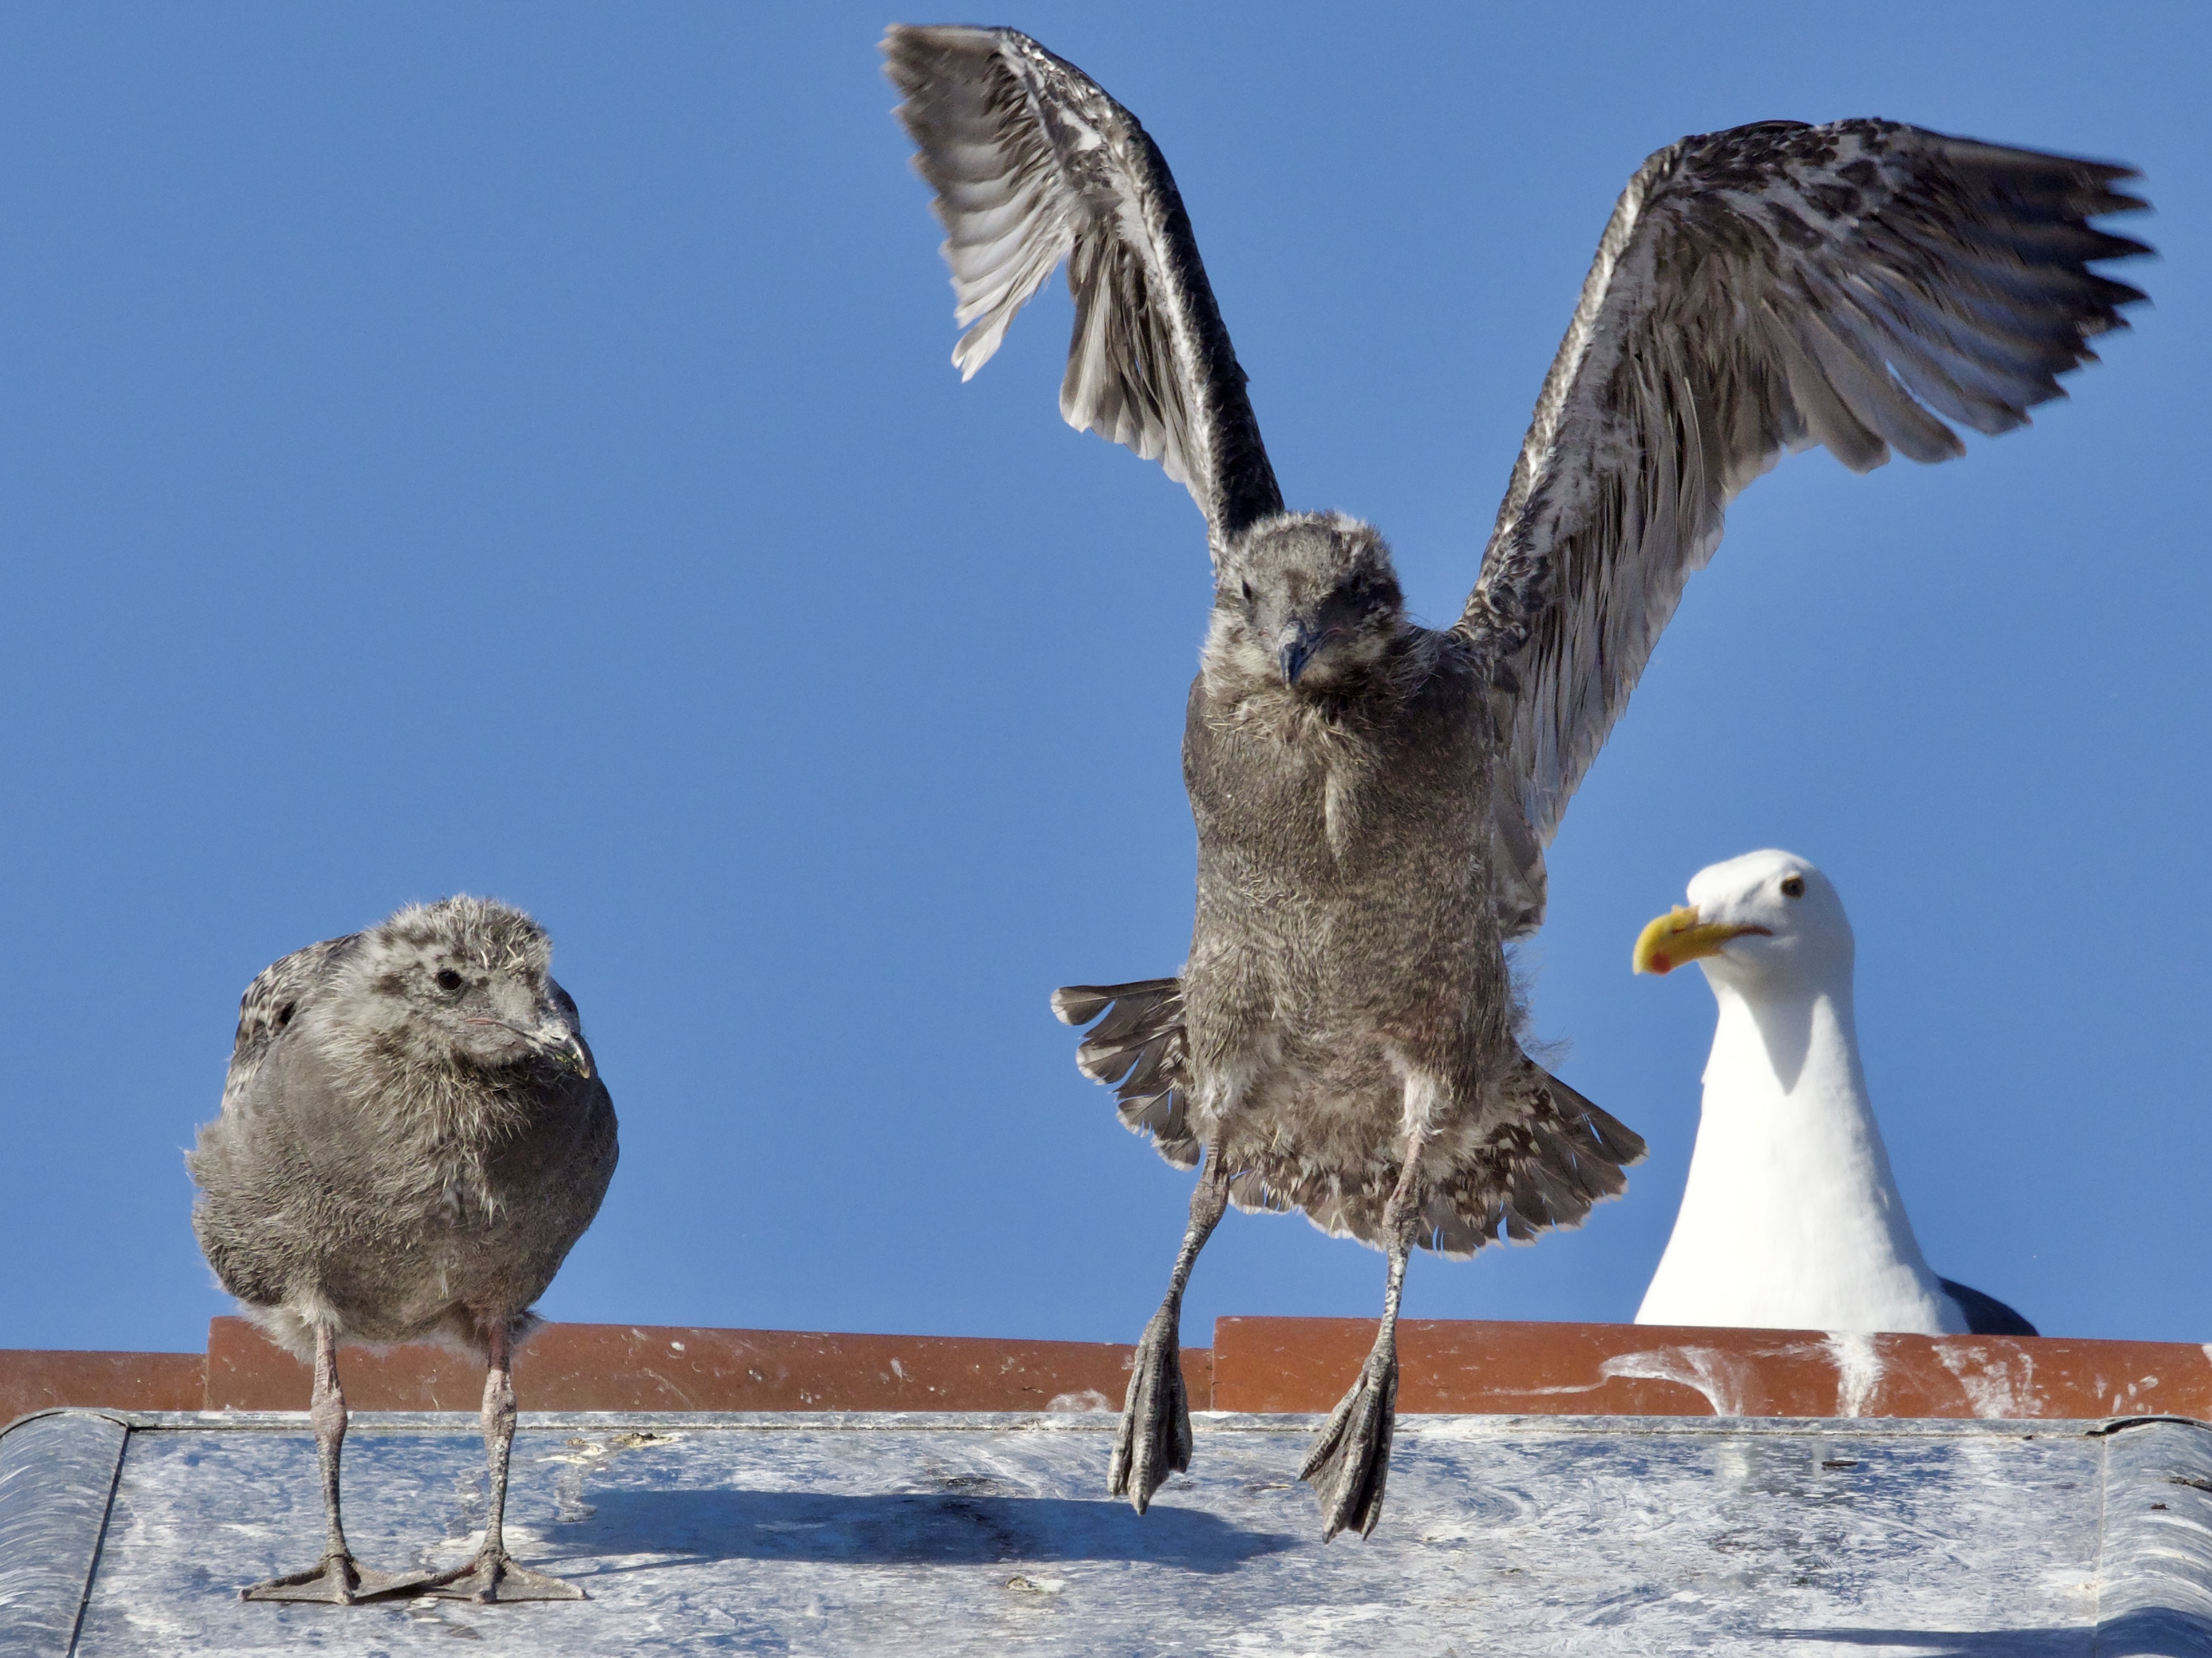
x=1663 y=963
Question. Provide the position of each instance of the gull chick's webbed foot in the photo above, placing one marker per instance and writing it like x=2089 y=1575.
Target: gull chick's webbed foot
x=1153 y=1438
x=493 y=1575
x=337 y=1579
x=1349 y=1464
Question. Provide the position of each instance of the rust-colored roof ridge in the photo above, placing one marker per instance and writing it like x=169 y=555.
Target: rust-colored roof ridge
x=1256 y=1364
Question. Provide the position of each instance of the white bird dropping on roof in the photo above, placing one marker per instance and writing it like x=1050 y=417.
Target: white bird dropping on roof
x=1791 y=1219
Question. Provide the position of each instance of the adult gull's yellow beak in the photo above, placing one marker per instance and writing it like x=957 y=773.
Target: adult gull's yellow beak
x=1678 y=937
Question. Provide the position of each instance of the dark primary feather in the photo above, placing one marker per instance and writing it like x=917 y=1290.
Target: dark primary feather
x=1985 y=1314
x=1761 y=291
x=1034 y=164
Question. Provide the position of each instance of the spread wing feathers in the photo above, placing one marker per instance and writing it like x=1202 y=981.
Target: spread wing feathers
x=1760 y=290
x=1033 y=164
x=1138 y=1050
x=271 y=1000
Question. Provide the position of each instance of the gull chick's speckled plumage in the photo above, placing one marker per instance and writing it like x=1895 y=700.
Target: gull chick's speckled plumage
x=413 y=1135
x=1374 y=797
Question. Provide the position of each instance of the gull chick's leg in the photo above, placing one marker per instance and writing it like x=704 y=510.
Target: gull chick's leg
x=1153 y=1440
x=337 y=1579
x=1350 y=1461
x=493 y=1575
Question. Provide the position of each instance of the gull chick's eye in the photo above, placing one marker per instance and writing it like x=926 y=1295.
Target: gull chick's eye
x=448 y=979
x=1793 y=886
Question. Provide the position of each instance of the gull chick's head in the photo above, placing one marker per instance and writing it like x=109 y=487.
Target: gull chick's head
x=1307 y=601
x=1764 y=918
x=465 y=981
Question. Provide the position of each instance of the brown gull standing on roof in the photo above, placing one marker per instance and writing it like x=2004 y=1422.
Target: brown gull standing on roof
x=413 y=1136
x=1373 y=797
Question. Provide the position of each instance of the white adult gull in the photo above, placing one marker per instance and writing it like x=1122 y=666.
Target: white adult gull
x=1791 y=1219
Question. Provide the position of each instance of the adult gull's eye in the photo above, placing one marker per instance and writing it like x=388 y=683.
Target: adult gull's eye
x=1793 y=887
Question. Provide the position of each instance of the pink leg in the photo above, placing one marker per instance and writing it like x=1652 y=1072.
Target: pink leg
x=493 y=1575
x=338 y=1578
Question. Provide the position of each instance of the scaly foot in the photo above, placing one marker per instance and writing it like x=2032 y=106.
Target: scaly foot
x=1153 y=1440
x=338 y=1581
x=496 y=1577
x=1350 y=1459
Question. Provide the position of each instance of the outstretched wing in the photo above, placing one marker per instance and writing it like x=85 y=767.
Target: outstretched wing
x=1033 y=164
x=1764 y=288
x=271 y=1000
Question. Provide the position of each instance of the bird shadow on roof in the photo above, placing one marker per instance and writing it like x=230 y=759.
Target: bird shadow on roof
x=907 y=1529
x=2165 y=1629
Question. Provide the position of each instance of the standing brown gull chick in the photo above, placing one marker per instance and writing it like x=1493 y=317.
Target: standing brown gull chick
x=1373 y=797
x=413 y=1136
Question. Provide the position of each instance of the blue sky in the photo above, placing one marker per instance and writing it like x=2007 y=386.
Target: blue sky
x=512 y=450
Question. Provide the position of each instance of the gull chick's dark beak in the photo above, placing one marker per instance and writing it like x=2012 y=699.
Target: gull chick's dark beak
x=1298 y=643
x=564 y=1047
x=554 y=1041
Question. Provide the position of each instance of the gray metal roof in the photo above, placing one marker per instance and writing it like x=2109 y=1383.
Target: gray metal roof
x=991 y=1534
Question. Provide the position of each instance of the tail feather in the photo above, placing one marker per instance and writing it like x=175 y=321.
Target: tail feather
x=1553 y=1157
x=1138 y=1049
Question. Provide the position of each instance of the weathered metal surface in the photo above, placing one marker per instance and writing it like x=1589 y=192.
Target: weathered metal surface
x=1452 y=1365
x=946 y=1534
x=55 y=1475
x=2155 y=1574
x=627 y=1367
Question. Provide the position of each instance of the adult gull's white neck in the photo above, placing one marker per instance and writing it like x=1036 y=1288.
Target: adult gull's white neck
x=1791 y=1219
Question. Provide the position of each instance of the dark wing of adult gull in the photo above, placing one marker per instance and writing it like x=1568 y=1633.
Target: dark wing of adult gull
x=1372 y=796
x=1760 y=290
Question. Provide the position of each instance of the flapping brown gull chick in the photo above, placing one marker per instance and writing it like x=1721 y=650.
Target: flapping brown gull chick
x=413 y=1136
x=1373 y=797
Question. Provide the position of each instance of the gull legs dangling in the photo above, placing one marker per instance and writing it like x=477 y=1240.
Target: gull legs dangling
x=1153 y=1440
x=1350 y=1461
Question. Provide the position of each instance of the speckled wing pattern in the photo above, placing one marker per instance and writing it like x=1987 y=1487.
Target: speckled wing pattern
x=1758 y=290
x=271 y=1001
x=1033 y=164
